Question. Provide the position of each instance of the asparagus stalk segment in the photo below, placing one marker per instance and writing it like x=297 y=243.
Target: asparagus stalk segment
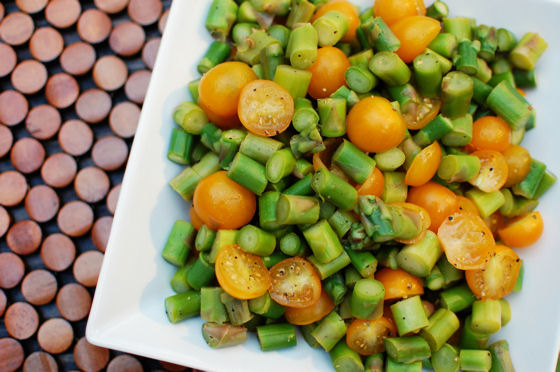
x=457 y=91
x=248 y=173
x=331 y=27
x=475 y=360
x=323 y=241
x=190 y=117
x=390 y=68
x=443 y=324
x=367 y=295
x=302 y=46
x=446 y=359
x=182 y=306
x=222 y=15
x=501 y=359
x=334 y=189
x=329 y=331
x=295 y=210
x=380 y=35
x=528 y=51
x=276 y=336
x=179 y=243
x=407 y=349
x=301 y=12
x=211 y=307
x=217 y=52
x=505 y=101
x=223 y=335
x=438 y=10
x=345 y=359
x=332 y=112
x=294 y=80
x=409 y=315
x=180 y=146
x=420 y=258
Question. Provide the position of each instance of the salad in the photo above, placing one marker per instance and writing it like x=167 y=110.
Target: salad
x=359 y=175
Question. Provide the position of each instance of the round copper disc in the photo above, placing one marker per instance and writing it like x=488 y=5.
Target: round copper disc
x=55 y=335
x=75 y=137
x=127 y=39
x=27 y=155
x=6 y=140
x=109 y=153
x=41 y=203
x=58 y=252
x=149 y=53
x=172 y=367
x=11 y=354
x=100 y=232
x=73 y=302
x=8 y=59
x=62 y=90
x=40 y=361
x=46 y=44
x=11 y=270
x=31 y=6
x=125 y=363
x=137 y=85
x=3 y=303
x=77 y=58
x=145 y=12
x=16 y=28
x=2 y=10
x=29 y=76
x=91 y=184
x=39 y=287
x=21 y=320
x=43 y=122
x=5 y=220
x=94 y=26
x=24 y=237
x=59 y=170
x=113 y=198
x=89 y=357
x=124 y=119
x=13 y=187
x=93 y=105
x=163 y=21
x=13 y=107
x=63 y=13
x=111 y=6
x=110 y=73
x=86 y=268
x=75 y=218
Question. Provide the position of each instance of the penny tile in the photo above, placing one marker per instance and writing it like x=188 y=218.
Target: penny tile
x=3 y=303
x=5 y=220
x=124 y=119
x=27 y=155
x=137 y=85
x=11 y=354
x=163 y=21
x=6 y=140
x=16 y=28
x=11 y=270
x=2 y=11
x=13 y=107
x=75 y=218
x=8 y=59
x=31 y=6
x=149 y=53
x=29 y=76
x=145 y=12
x=93 y=105
x=91 y=184
x=43 y=122
x=110 y=73
x=100 y=232
x=75 y=137
x=109 y=153
x=127 y=39
x=21 y=320
x=59 y=170
x=86 y=268
x=73 y=302
x=13 y=187
x=24 y=237
x=78 y=58
x=39 y=287
x=113 y=198
x=111 y=6
x=40 y=361
x=55 y=335
x=46 y=44
x=90 y=358
x=58 y=252
x=41 y=203
x=94 y=26
x=62 y=90
x=125 y=363
x=63 y=13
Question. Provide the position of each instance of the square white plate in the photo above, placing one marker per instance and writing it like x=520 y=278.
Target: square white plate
x=128 y=312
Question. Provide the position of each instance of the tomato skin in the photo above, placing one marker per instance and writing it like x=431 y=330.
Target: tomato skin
x=220 y=87
x=399 y=284
x=312 y=313
x=265 y=108
x=436 y=199
x=490 y=133
x=195 y=219
x=415 y=34
x=425 y=112
x=295 y=283
x=522 y=231
x=374 y=126
x=393 y=10
x=493 y=172
x=498 y=277
x=424 y=166
x=222 y=203
x=327 y=72
x=240 y=274
x=224 y=122
x=466 y=205
x=518 y=161
x=345 y=8
x=466 y=241
x=373 y=185
x=366 y=336
x=323 y=159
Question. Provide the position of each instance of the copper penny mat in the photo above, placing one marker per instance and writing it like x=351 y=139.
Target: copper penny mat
x=73 y=76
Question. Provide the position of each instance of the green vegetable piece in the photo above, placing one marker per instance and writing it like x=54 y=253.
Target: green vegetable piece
x=409 y=315
x=211 y=307
x=420 y=258
x=345 y=359
x=223 y=335
x=329 y=331
x=179 y=243
x=182 y=306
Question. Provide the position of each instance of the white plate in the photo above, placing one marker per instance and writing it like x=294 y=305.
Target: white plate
x=128 y=312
